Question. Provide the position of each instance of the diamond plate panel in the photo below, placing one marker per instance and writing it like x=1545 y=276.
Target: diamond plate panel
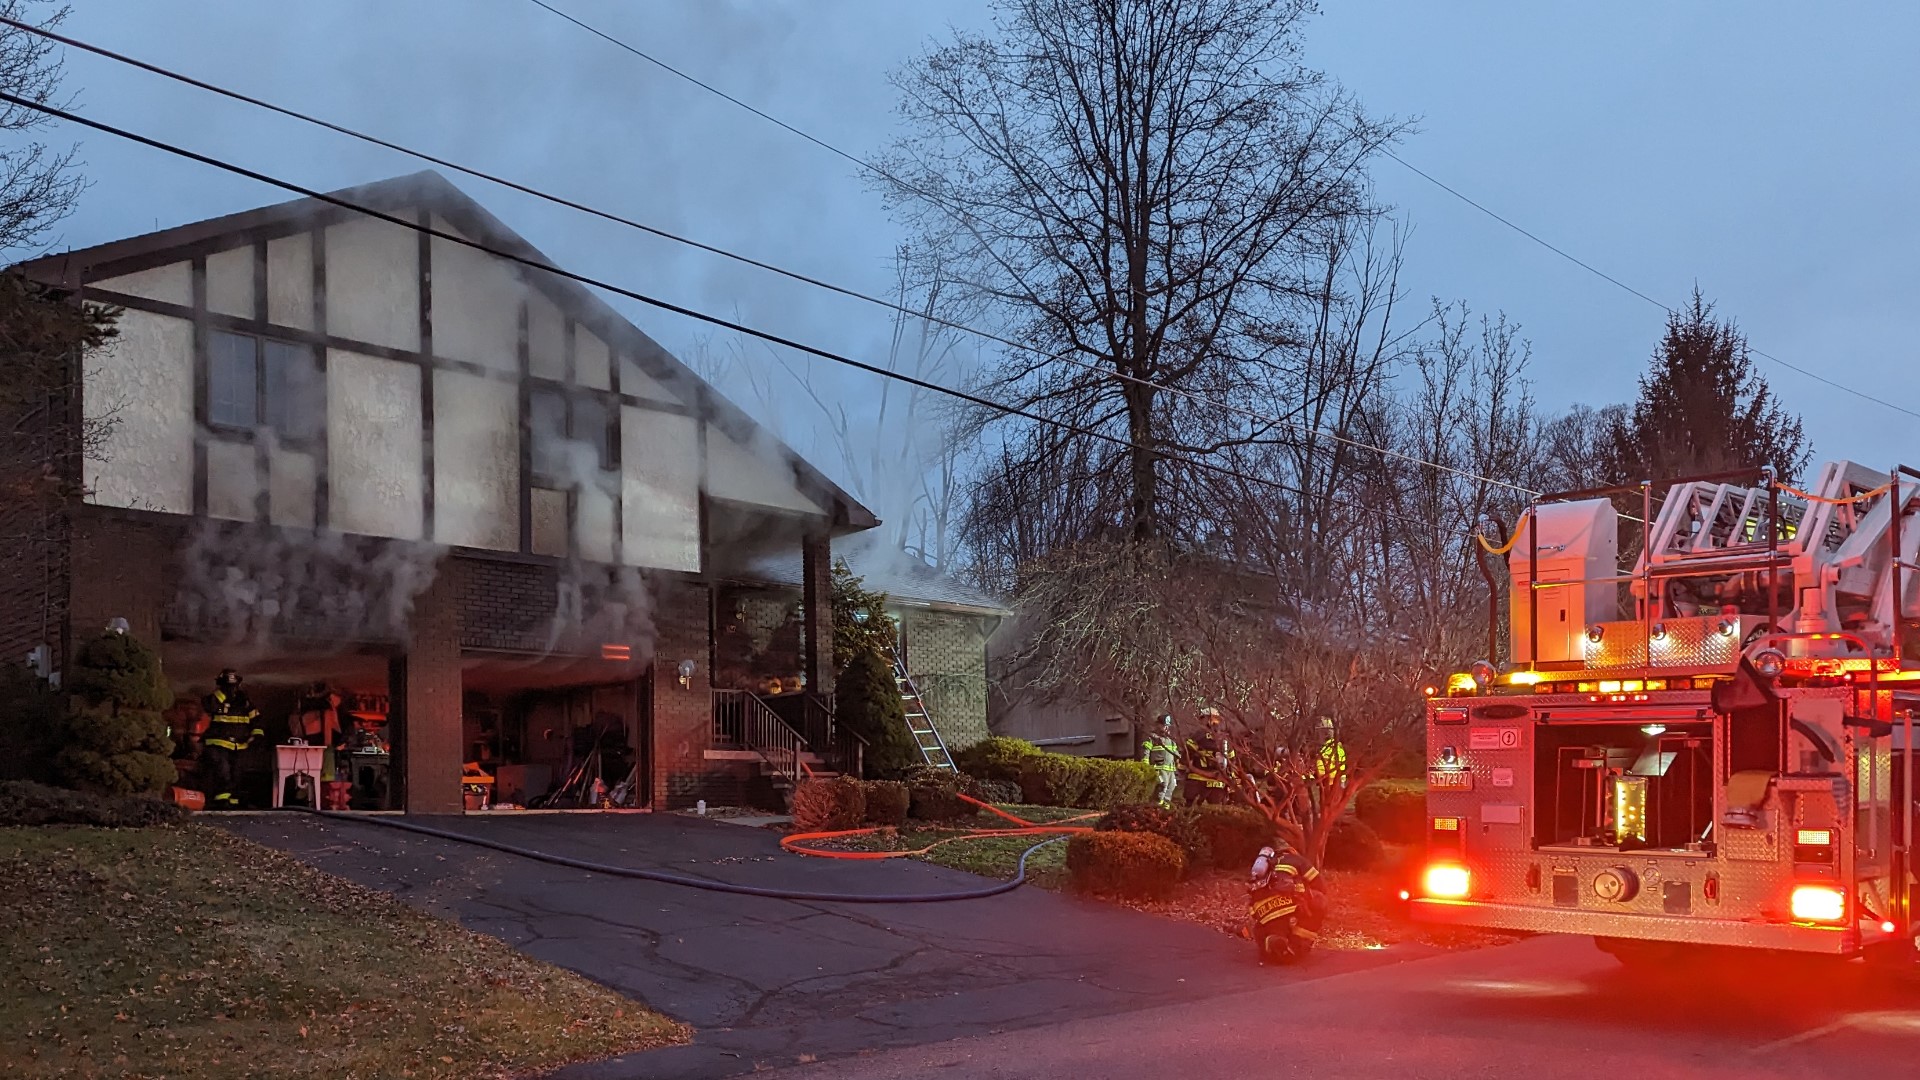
x=1689 y=642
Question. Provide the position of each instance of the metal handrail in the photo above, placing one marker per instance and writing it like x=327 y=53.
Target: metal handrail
x=744 y=718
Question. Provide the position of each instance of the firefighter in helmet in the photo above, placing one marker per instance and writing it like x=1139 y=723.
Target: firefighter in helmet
x=1329 y=762
x=1159 y=750
x=1209 y=761
x=232 y=726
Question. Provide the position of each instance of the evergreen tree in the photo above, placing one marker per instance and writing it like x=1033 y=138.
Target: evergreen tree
x=115 y=740
x=1703 y=409
x=867 y=702
x=860 y=622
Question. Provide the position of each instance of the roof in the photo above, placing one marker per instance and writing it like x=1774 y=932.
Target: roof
x=882 y=568
x=431 y=191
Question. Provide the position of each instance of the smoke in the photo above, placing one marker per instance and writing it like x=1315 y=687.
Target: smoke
x=247 y=585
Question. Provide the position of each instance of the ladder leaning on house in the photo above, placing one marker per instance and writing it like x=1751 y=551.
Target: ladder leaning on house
x=933 y=749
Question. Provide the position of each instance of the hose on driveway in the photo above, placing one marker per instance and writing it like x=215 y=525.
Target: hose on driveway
x=666 y=878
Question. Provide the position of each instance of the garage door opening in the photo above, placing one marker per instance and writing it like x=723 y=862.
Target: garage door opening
x=341 y=702
x=554 y=733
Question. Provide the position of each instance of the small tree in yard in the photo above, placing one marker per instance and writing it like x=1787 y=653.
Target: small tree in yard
x=860 y=622
x=115 y=740
x=868 y=703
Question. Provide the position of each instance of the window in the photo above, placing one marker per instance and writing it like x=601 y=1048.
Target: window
x=568 y=437
x=255 y=382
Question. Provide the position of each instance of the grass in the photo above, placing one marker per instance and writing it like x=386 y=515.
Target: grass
x=188 y=951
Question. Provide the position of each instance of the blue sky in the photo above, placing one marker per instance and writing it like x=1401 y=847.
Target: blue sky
x=1761 y=149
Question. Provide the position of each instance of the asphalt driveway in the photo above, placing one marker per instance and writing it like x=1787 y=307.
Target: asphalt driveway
x=776 y=982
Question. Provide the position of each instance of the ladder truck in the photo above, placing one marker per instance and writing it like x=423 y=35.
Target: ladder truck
x=1709 y=749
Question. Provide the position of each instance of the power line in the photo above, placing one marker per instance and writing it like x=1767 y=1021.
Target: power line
x=1403 y=162
x=525 y=189
x=666 y=305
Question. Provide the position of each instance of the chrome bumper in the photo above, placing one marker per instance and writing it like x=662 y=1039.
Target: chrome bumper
x=1788 y=937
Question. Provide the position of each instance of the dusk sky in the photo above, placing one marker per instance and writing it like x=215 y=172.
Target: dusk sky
x=1762 y=150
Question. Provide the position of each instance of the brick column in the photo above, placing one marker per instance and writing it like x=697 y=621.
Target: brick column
x=816 y=599
x=682 y=716
x=429 y=697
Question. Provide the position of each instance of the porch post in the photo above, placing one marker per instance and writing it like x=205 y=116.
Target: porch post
x=816 y=597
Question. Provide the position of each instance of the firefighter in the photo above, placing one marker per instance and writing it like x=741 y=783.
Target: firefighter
x=1209 y=761
x=234 y=724
x=1329 y=762
x=1159 y=750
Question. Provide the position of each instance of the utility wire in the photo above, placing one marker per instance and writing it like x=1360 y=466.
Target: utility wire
x=677 y=309
x=525 y=189
x=1403 y=162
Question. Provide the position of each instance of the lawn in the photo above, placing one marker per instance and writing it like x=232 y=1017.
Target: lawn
x=1365 y=911
x=187 y=951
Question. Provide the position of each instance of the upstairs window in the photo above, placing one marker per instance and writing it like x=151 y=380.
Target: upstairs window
x=568 y=436
x=255 y=382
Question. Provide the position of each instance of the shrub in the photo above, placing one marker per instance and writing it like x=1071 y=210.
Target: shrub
x=829 y=805
x=114 y=740
x=1116 y=783
x=1353 y=845
x=996 y=791
x=1235 y=834
x=867 y=701
x=1395 y=809
x=887 y=802
x=1133 y=864
x=934 y=794
x=1177 y=825
x=996 y=758
x=31 y=716
x=1053 y=779
x=25 y=803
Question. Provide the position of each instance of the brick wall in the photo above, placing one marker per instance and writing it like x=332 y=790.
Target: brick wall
x=123 y=568
x=505 y=605
x=682 y=716
x=946 y=653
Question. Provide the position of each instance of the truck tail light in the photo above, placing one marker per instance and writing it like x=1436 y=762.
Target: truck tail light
x=1446 y=881
x=1818 y=903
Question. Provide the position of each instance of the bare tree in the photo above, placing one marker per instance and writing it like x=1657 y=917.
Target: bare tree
x=38 y=182
x=1134 y=186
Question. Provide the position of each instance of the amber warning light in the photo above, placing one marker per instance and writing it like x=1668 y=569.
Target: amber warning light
x=616 y=652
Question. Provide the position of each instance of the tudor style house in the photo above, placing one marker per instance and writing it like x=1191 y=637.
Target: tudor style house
x=461 y=493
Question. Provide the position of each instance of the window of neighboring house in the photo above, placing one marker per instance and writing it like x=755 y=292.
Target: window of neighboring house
x=547 y=426
x=255 y=382
x=593 y=425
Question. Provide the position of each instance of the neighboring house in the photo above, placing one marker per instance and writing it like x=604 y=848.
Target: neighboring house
x=464 y=493
x=944 y=626
x=1067 y=724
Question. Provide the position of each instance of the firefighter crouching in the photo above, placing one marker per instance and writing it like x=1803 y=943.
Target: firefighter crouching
x=1160 y=751
x=233 y=724
x=1286 y=902
x=1209 y=761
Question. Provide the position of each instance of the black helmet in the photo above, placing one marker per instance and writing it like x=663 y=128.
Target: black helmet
x=228 y=678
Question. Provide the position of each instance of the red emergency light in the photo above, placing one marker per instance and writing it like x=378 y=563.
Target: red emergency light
x=616 y=652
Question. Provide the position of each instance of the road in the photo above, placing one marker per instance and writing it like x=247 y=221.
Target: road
x=1548 y=1008
x=767 y=983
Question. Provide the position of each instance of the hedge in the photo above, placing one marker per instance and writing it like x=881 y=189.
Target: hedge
x=1131 y=864
x=934 y=794
x=829 y=805
x=996 y=791
x=1176 y=824
x=1353 y=845
x=1116 y=783
x=1396 y=809
x=1235 y=834
x=887 y=802
x=1052 y=780
x=26 y=803
x=995 y=758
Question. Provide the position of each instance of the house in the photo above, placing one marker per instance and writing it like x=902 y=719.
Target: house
x=463 y=493
x=943 y=625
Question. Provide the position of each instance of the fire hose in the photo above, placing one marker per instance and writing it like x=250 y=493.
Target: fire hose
x=1025 y=828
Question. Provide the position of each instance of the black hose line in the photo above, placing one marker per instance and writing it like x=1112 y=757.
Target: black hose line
x=697 y=883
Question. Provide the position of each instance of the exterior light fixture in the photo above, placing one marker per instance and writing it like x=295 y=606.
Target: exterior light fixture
x=1726 y=628
x=1447 y=882
x=686 y=674
x=1595 y=633
x=118 y=626
x=1654 y=729
x=1659 y=631
x=1449 y=757
x=1770 y=662
x=1483 y=673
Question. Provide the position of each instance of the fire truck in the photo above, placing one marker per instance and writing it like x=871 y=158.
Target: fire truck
x=1708 y=749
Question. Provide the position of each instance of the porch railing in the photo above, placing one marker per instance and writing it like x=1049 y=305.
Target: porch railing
x=742 y=718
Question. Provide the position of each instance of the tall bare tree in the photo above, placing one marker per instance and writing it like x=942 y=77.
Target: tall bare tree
x=44 y=442
x=1134 y=186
